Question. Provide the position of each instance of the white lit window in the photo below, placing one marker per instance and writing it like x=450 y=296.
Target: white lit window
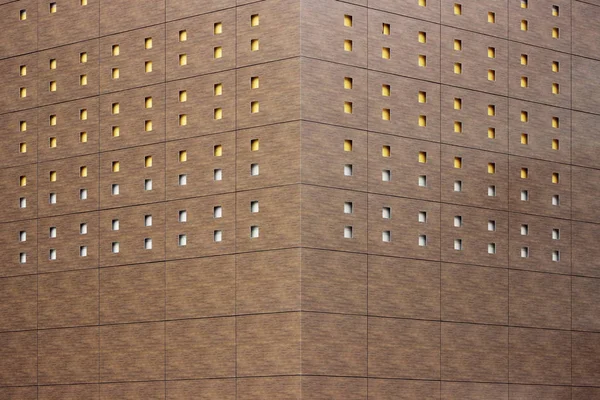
x=83 y=228
x=83 y=194
x=115 y=189
x=491 y=248
x=115 y=224
x=254 y=207
x=386 y=175
x=458 y=244
x=386 y=212
x=491 y=226
x=524 y=252
x=254 y=169
x=458 y=186
x=182 y=240
x=423 y=180
x=148 y=220
x=423 y=217
x=348 y=207
x=524 y=229
x=555 y=234
x=22 y=258
x=217 y=212
x=217 y=236
x=182 y=179
x=218 y=174
x=555 y=200
x=348 y=170
x=556 y=255
x=52 y=232
x=422 y=240
x=182 y=215
x=348 y=232
x=52 y=198
x=22 y=202
x=386 y=236
x=492 y=191
x=22 y=236
x=83 y=251
x=148 y=243
x=524 y=195
x=115 y=247
x=52 y=254
x=147 y=184
x=254 y=231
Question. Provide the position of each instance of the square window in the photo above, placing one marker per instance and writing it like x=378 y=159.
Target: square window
x=83 y=251
x=348 y=232
x=422 y=37
x=458 y=127
x=147 y=161
x=116 y=131
x=348 y=21
x=182 y=217
x=422 y=180
x=52 y=198
x=491 y=225
x=183 y=35
x=458 y=245
x=83 y=81
x=254 y=107
x=255 y=82
x=422 y=97
x=555 y=177
x=218 y=150
x=254 y=45
x=458 y=186
x=524 y=230
x=347 y=145
x=386 y=236
x=524 y=252
x=457 y=68
x=457 y=44
x=555 y=122
x=386 y=151
x=491 y=248
x=491 y=110
x=556 y=200
x=492 y=191
x=555 y=88
x=422 y=240
x=386 y=212
x=386 y=29
x=22 y=258
x=524 y=195
x=83 y=228
x=555 y=11
x=555 y=144
x=422 y=120
x=148 y=220
x=83 y=57
x=491 y=133
x=348 y=170
x=115 y=73
x=555 y=234
x=457 y=103
x=115 y=225
x=22 y=236
x=22 y=147
x=458 y=221
x=255 y=145
x=182 y=156
x=254 y=169
x=52 y=232
x=556 y=256
x=254 y=232
x=217 y=236
x=218 y=113
x=386 y=90
x=148 y=43
x=386 y=114
x=52 y=254
x=254 y=20
x=23 y=92
x=83 y=194
x=115 y=247
x=348 y=207
x=524 y=3
x=182 y=180
x=182 y=240
x=348 y=107
x=422 y=217
x=52 y=63
x=254 y=206
x=115 y=189
x=457 y=9
x=182 y=59
x=555 y=33
x=147 y=184
x=52 y=142
x=217 y=212
x=457 y=162
x=491 y=168
x=423 y=157
x=386 y=175
x=218 y=174
x=53 y=8
x=148 y=243
x=22 y=202
x=491 y=17
x=347 y=45
x=423 y=3
x=218 y=89
x=217 y=28
x=218 y=52
x=182 y=119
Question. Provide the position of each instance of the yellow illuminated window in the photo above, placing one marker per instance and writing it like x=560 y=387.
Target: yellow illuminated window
x=347 y=83
x=386 y=29
x=555 y=88
x=386 y=53
x=254 y=107
x=386 y=114
x=457 y=162
x=555 y=33
x=254 y=45
x=422 y=97
x=53 y=86
x=218 y=113
x=422 y=37
x=458 y=127
x=422 y=60
x=23 y=70
x=183 y=156
x=83 y=80
x=348 y=20
x=183 y=59
x=255 y=145
x=182 y=119
x=116 y=166
x=491 y=110
x=147 y=161
x=347 y=45
x=148 y=43
x=524 y=173
x=82 y=137
x=457 y=68
x=524 y=59
x=255 y=82
x=524 y=116
x=422 y=120
x=555 y=122
x=218 y=89
x=423 y=3
x=492 y=17
x=555 y=144
x=52 y=142
x=386 y=151
x=23 y=126
x=52 y=120
x=491 y=75
x=183 y=35
x=83 y=114
x=555 y=66
x=457 y=44
x=457 y=9
x=83 y=171
x=491 y=168
x=23 y=181
x=386 y=90
x=422 y=156
x=218 y=28
x=148 y=126
x=524 y=138
x=491 y=52
x=148 y=66
x=491 y=133
x=23 y=148
x=148 y=102
x=116 y=50
x=218 y=52
x=348 y=107
x=52 y=176
x=23 y=92
x=524 y=82
x=52 y=8
x=555 y=11
x=254 y=20
x=347 y=145
x=84 y=2
x=524 y=3
x=116 y=131
x=23 y=15
x=182 y=96
x=524 y=25
x=555 y=177
x=83 y=57
x=218 y=150
x=457 y=103
x=115 y=73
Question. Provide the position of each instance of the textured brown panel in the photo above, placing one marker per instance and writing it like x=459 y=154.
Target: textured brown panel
x=329 y=388
x=324 y=157
x=282 y=388
x=586 y=183
x=278 y=155
x=204 y=389
x=326 y=103
x=429 y=12
x=404 y=288
x=74 y=349
x=475 y=61
x=404 y=348
x=586 y=261
x=267 y=281
x=68 y=299
x=476 y=236
x=397 y=389
x=475 y=16
x=405 y=47
x=586 y=359
x=10 y=154
x=19 y=393
x=200 y=226
x=540 y=300
x=200 y=287
x=324 y=220
x=586 y=29
x=539 y=356
x=586 y=84
x=203 y=348
x=10 y=91
x=474 y=353
x=115 y=18
x=9 y=184
x=541 y=21
x=585 y=146
x=177 y=9
x=132 y=352
x=18 y=362
x=132 y=294
x=20 y=37
x=586 y=304
x=72 y=22
x=474 y=294
x=537 y=392
x=334 y=282
x=18 y=307
x=334 y=344
x=69 y=392
x=133 y=391
x=474 y=391
x=278 y=31
x=12 y=247
x=132 y=57
x=475 y=118
x=268 y=344
x=404 y=227
x=586 y=393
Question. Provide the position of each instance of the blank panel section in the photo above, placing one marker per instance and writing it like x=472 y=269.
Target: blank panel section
x=18 y=304
x=586 y=33
x=326 y=387
x=585 y=147
x=18 y=353
x=177 y=9
x=586 y=355
x=399 y=389
x=286 y=387
x=70 y=392
x=585 y=84
x=113 y=18
x=586 y=261
x=203 y=389
x=474 y=391
x=586 y=303
x=526 y=392
x=133 y=391
x=586 y=184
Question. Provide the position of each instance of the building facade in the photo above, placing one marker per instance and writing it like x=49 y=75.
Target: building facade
x=300 y=199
